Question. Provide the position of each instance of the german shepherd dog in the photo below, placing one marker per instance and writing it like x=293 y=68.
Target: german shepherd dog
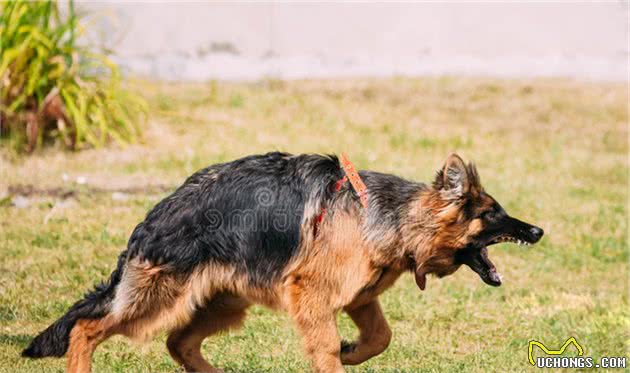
x=281 y=230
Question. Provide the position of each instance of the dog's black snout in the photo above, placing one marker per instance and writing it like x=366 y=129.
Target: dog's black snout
x=536 y=233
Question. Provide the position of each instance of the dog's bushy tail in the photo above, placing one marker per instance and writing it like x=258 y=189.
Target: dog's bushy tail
x=55 y=339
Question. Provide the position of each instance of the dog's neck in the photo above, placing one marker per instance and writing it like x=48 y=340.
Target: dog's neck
x=397 y=222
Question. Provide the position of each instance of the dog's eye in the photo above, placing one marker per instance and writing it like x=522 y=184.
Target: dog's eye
x=488 y=215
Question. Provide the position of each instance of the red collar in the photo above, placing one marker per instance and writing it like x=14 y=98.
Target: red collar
x=357 y=184
x=355 y=180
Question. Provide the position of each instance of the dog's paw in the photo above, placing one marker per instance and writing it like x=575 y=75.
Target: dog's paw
x=348 y=347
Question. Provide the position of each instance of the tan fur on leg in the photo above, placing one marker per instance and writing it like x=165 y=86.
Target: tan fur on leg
x=85 y=336
x=374 y=336
x=315 y=320
x=321 y=341
x=222 y=313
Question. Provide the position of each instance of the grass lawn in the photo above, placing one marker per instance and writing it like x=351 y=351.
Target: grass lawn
x=553 y=152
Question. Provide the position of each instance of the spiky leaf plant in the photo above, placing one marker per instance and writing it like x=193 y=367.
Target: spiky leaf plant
x=53 y=87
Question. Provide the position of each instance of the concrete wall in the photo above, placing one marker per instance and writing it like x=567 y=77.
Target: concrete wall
x=290 y=40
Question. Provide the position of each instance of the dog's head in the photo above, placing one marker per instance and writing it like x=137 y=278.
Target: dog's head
x=466 y=221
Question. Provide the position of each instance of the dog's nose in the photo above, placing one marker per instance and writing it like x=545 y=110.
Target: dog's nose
x=536 y=233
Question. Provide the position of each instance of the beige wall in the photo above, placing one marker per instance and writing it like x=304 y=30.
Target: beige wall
x=254 y=40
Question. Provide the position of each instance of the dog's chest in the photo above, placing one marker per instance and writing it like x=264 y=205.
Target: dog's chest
x=382 y=280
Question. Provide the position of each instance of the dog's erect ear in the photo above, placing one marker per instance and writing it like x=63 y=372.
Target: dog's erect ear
x=453 y=177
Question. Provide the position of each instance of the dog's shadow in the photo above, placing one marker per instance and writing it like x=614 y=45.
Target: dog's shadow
x=19 y=340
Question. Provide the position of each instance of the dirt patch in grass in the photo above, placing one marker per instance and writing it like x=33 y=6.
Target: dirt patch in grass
x=29 y=190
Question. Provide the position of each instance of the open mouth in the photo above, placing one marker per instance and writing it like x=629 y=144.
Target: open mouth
x=477 y=258
x=475 y=255
x=481 y=264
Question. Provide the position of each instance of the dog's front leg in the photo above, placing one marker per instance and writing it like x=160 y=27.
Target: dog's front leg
x=374 y=336
x=317 y=324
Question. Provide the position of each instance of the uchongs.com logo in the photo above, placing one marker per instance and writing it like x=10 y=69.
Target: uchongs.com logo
x=554 y=358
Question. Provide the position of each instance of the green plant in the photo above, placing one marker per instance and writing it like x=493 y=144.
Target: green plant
x=51 y=86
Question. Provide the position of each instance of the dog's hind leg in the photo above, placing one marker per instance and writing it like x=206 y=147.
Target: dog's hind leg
x=85 y=336
x=374 y=336
x=224 y=312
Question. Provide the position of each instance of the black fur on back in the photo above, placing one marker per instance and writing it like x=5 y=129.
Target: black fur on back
x=246 y=213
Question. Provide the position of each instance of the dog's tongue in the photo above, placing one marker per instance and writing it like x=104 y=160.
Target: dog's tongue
x=486 y=269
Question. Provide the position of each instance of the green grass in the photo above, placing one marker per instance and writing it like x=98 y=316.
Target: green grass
x=553 y=152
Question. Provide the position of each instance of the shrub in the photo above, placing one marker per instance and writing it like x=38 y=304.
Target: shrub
x=53 y=87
